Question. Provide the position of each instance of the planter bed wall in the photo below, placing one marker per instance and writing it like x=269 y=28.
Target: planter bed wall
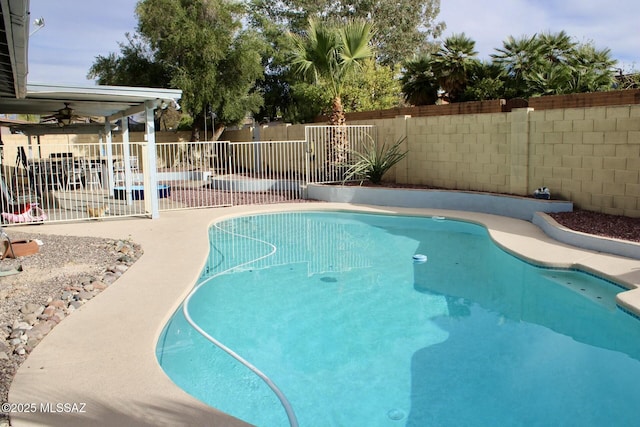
x=497 y=204
x=586 y=241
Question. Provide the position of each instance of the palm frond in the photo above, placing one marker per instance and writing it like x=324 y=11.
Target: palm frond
x=355 y=38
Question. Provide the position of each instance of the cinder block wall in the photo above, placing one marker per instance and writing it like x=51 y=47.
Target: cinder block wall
x=590 y=156
x=285 y=132
x=467 y=152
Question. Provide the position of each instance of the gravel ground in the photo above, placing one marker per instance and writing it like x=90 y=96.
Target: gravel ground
x=73 y=265
x=66 y=272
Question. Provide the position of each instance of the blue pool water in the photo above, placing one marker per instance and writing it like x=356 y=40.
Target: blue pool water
x=356 y=333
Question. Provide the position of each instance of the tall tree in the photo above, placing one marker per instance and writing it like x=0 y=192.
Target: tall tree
x=453 y=63
x=592 y=69
x=373 y=87
x=552 y=63
x=135 y=66
x=407 y=27
x=419 y=82
x=518 y=58
x=199 y=46
x=484 y=82
x=328 y=53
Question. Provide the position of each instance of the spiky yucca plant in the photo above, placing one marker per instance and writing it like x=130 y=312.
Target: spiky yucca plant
x=373 y=162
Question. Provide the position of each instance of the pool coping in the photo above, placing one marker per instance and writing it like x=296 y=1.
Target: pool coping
x=104 y=354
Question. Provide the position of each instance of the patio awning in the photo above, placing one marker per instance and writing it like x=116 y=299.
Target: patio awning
x=110 y=102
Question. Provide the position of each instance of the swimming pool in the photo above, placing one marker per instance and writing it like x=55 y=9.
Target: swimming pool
x=354 y=332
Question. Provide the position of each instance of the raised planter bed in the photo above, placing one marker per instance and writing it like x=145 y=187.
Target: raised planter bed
x=586 y=241
x=498 y=204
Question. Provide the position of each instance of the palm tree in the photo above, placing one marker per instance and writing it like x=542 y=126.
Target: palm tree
x=551 y=63
x=328 y=52
x=453 y=62
x=592 y=69
x=419 y=82
x=486 y=81
x=519 y=58
x=549 y=79
x=556 y=47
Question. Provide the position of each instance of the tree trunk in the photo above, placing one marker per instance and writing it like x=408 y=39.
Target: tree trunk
x=338 y=144
x=195 y=134
x=336 y=118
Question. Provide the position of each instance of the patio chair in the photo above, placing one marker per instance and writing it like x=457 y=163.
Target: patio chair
x=57 y=177
x=119 y=171
x=92 y=175
x=75 y=174
x=52 y=173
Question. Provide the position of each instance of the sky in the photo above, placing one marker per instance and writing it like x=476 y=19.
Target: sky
x=76 y=32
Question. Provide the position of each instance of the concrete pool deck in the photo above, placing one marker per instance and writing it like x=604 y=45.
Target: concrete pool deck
x=103 y=355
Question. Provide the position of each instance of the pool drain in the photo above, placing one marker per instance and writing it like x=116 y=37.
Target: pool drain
x=395 y=414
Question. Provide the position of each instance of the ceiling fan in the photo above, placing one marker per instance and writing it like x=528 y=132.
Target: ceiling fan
x=63 y=117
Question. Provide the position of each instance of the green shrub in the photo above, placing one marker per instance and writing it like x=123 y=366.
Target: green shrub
x=373 y=162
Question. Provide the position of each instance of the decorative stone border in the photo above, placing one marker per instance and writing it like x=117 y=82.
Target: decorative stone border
x=497 y=204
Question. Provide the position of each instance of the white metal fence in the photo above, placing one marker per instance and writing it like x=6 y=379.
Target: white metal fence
x=331 y=148
x=70 y=182
x=64 y=182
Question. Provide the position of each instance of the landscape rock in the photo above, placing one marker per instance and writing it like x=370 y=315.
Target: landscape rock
x=30 y=318
x=32 y=308
x=65 y=274
x=84 y=295
x=73 y=305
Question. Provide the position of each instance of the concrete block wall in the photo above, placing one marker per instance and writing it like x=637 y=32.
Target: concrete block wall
x=469 y=152
x=589 y=155
x=284 y=132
